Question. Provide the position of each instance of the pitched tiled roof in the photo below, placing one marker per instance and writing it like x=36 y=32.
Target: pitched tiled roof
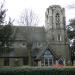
x=30 y=33
x=42 y=51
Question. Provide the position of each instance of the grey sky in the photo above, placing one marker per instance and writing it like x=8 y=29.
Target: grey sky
x=15 y=7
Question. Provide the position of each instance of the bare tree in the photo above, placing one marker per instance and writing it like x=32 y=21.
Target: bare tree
x=28 y=18
x=2 y=12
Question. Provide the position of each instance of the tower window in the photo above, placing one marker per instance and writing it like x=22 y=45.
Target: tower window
x=47 y=17
x=57 y=20
x=57 y=17
x=59 y=37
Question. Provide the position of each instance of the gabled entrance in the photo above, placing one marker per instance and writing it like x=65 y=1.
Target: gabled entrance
x=45 y=58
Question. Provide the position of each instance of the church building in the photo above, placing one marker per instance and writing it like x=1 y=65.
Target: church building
x=40 y=46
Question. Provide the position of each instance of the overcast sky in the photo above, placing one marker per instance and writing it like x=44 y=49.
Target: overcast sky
x=16 y=7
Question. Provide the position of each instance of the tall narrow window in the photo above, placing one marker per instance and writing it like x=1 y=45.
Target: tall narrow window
x=59 y=37
x=57 y=20
x=6 y=61
x=25 y=61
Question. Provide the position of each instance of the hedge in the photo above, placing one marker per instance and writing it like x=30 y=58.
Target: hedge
x=36 y=71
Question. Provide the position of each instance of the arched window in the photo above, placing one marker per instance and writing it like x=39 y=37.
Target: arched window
x=47 y=58
x=59 y=37
x=57 y=20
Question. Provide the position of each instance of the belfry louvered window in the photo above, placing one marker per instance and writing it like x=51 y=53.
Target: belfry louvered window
x=57 y=17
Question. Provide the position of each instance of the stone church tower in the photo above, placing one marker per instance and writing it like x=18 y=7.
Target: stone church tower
x=56 y=33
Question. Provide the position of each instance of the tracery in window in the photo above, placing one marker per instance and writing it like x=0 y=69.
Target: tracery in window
x=57 y=20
